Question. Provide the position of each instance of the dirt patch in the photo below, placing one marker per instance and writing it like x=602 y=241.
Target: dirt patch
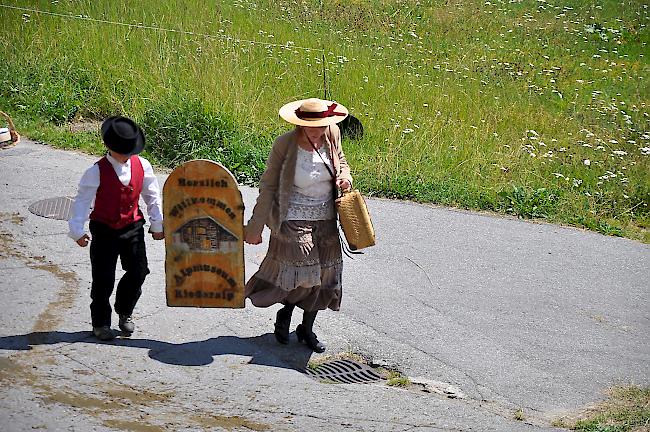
x=133 y=426
x=84 y=126
x=77 y=400
x=16 y=218
x=6 y=240
x=52 y=316
x=229 y=423
x=8 y=370
x=139 y=397
x=103 y=398
x=116 y=400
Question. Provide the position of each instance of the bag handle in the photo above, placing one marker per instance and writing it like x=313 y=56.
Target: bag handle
x=9 y=122
x=15 y=138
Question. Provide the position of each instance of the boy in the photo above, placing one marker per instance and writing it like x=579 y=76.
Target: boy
x=115 y=184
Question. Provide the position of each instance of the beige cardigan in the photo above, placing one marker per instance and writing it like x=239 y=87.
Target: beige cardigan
x=276 y=183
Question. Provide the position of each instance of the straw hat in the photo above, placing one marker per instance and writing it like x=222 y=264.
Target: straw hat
x=313 y=112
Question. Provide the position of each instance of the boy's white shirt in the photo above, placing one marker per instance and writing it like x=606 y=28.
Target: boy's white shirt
x=85 y=199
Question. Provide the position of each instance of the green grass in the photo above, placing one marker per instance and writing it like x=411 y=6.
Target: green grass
x=519 y=415
x=529 y=108
x=396 y=379
x=626 y=410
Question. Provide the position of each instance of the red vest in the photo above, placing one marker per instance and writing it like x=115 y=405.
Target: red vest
x=116 y=205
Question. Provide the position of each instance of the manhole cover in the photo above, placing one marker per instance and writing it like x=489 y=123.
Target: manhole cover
x=53 y=208
x=344 y=371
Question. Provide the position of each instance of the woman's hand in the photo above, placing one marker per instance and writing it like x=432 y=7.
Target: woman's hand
x=252 y=238
x=343 y=184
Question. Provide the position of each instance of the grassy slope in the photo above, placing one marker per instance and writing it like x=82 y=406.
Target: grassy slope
x=524 y=107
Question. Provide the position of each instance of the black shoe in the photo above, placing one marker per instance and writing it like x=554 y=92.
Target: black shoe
x=282 y=322
x=126 y=325
x=104 y=333
x=310 y=339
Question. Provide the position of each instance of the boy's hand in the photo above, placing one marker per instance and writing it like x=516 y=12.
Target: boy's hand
x=158 y=235
x=83 y=240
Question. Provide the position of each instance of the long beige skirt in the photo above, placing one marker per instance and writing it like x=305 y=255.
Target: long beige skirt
x=303 y=266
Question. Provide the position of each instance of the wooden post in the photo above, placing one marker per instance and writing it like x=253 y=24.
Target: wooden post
x=204 y=237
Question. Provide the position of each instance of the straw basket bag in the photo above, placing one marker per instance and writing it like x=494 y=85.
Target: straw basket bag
x=355 y=220
x=8 y=136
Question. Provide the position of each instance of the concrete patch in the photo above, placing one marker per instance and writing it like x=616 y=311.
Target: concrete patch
x=439 y=387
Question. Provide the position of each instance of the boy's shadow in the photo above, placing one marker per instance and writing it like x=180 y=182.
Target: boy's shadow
x=263 y=350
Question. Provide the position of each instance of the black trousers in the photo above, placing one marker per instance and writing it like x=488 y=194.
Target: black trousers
x=106 y=245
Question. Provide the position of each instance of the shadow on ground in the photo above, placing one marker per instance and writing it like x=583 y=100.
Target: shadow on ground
x=263 y=349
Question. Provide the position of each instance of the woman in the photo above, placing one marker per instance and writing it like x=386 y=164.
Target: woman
x=303 y=264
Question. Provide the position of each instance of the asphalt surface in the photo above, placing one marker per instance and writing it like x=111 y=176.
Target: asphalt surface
x=493 y=318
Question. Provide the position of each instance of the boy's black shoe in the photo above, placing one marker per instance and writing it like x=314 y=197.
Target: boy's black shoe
x=104 y=333
x=126 y=324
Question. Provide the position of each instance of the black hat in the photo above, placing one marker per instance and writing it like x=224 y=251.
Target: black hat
x=122 y=135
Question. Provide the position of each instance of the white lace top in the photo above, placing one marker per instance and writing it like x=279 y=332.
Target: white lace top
x=311 y=198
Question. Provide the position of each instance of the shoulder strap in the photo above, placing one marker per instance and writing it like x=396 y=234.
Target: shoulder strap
x=321 y=158
x=344 y=244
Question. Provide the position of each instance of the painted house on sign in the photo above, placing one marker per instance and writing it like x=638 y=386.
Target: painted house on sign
x=205 y=235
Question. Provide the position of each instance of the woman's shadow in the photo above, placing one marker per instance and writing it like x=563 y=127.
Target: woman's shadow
x=263 y=349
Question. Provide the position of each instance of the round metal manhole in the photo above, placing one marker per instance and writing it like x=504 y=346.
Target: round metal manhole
x=345 y=372
x=53 y=208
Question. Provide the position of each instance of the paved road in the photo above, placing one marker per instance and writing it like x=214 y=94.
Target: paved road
x=507 y=315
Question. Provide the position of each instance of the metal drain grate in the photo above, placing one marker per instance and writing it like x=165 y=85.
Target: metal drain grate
x=53 y=208
x=345 y=372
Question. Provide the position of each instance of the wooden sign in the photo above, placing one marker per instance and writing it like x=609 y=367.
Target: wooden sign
x=204 y=237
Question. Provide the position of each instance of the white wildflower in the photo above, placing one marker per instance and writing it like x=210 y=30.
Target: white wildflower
x=587 y=162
